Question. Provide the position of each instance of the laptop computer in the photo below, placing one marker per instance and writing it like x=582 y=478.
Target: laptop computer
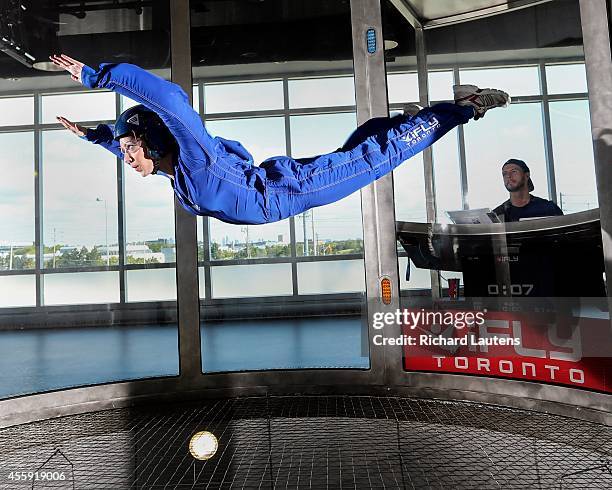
x=473 y=216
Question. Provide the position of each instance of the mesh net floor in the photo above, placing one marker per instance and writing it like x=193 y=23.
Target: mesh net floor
x=340 y=442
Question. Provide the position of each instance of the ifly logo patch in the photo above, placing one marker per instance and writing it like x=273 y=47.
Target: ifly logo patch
x=422 y=131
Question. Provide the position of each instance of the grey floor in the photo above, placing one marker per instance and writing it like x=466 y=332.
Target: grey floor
x=33 y=361
x=326 y=442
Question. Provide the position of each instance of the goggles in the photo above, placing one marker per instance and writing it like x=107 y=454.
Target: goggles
x=131 y=147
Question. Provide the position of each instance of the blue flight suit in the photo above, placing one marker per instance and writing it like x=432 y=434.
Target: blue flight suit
x=217 y=177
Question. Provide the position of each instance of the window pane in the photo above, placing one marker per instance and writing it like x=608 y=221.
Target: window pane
x=239 y=281
x=95 y=106
x=573 y=152
x=262 y=137
x=201 y=282
x=402 y=87
x=409 y=187
x=321 y=92
x=149 y=218
x=17 y=201
x=80 y=201
x=58 y=358
x=81 y=288
x=16 y=111
x=506 y=127
x=340 y=276
x=17 y=291
x=126 y=102
x=195 y=97
x=286 y=343
x=242 y=97
x=249 y=241
x=441 y=85
x=337 y=227
x=320 y=133
x=151 y=285
x=516 y=81
x=447 y=176
x=419 y=278
x=201 y=244
x=566 y=79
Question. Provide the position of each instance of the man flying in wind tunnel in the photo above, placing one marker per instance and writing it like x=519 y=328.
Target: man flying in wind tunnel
x=212 y=176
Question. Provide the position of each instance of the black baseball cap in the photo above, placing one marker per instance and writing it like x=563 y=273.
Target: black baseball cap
x=523 y=166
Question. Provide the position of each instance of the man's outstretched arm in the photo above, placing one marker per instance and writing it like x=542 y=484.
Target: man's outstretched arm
x=167 y=99
x=102 y=135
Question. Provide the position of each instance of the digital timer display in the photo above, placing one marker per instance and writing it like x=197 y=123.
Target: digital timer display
x=509 y=290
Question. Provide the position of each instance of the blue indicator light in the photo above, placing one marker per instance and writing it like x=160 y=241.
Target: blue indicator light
x=371 y=40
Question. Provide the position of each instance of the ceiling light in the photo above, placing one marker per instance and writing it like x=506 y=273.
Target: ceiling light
x=46 y=66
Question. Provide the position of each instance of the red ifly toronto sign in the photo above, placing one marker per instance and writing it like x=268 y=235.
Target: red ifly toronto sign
x=525 y=346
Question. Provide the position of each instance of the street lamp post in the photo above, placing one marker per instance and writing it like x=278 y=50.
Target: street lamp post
x=105 y=227
x=54 y=244
x=304 y=216
x=314 y=235
x=245 y=229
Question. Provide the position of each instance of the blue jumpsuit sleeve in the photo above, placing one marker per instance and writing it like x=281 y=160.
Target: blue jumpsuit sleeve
x=103 y=136
x=165 y=98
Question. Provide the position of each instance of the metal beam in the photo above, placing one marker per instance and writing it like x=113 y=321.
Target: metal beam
x=428 y=170
x=482 y=13
x=38 y=205
x=407 y=12
x=187 y=291
x=548 y=143
x=596 y=39
x=377 y=201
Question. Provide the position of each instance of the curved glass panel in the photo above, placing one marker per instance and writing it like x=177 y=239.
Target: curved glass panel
x=533 y=282
x=279 y=98
x=77 y=226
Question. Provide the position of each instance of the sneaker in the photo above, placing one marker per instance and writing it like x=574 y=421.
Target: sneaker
x=411 y=109
x=481 y=99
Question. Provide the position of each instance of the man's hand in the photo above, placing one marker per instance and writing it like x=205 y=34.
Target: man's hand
x=72 y=66
x=72 y=127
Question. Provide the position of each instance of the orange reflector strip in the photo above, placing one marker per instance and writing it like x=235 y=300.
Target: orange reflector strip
x=385 y=289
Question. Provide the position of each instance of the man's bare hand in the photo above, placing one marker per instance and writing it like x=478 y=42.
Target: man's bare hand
x=72 y=127
x=72 y=66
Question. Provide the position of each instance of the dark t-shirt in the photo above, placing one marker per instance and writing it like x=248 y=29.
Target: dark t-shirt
x=536 y=207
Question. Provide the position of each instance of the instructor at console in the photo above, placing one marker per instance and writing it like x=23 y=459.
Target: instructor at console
x=522 y=204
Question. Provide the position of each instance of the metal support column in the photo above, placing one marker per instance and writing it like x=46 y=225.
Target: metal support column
x=377 y=203
x=187 y=291
x=39 y=237
x=121 y=241
x=428 y=169
x=596 y=39
x=406 y=11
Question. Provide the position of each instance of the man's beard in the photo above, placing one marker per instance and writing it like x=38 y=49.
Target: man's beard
x=519 y=186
